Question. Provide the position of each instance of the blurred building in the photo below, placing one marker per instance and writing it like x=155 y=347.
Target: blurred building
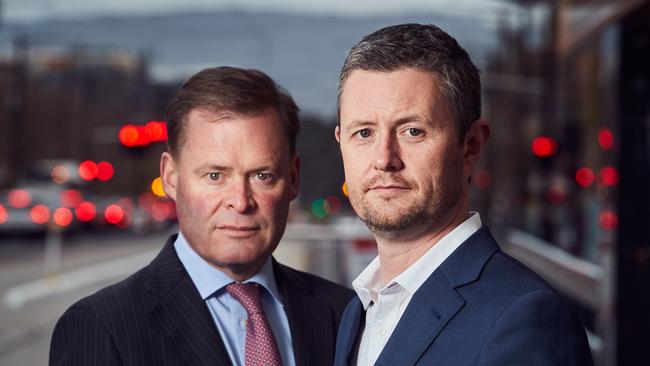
x=568 y=169
x=69 y=103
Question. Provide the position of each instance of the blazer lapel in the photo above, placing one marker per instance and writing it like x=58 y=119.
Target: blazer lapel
x=310 y=321
x=437 y=301
x=181 y=313
x=432 y=306
x=352 y=322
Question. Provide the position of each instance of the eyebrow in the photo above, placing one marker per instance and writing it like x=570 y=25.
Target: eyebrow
x=211 y=167
x=400 y=121
x=358 y=123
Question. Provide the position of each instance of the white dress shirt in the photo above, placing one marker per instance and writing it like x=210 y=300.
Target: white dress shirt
x=385 y=305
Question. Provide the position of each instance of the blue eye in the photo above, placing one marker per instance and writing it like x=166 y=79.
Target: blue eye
x=214 y=176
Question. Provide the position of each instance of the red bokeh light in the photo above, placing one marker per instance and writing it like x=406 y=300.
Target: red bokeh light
x=70 y=198
x=608 y=220
x=39 y=214
x=132 y=135
x=129 y=135
x=605 y=139
x=608 y=176
x=88 y=170
x=86 y=211
x=585 y=177
x=19 y=198
x=62 y=216
x=4 y=215
x=114 y=214
x=544 y=146
x=156 y=131
x=104 y=171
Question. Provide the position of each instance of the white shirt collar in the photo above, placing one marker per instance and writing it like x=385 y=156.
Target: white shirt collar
x=367 y=284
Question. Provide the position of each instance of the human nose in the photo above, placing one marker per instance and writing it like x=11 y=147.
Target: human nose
x=388 y=154
x=239 y=197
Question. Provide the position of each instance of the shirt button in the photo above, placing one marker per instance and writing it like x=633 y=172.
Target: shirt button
x=381 y=332
x=244 y=322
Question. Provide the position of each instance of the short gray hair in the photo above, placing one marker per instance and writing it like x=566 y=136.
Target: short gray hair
x=426 y=48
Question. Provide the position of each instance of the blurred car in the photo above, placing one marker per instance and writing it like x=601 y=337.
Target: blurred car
x=52 y=196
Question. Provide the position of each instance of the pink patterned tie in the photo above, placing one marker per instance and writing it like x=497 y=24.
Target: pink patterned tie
x=261 y=348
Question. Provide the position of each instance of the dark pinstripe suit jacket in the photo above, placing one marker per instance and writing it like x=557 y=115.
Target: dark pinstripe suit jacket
x=157 y=317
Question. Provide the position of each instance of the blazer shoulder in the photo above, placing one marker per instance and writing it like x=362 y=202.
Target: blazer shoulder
x=128 y=296
x=505 y=282
x=138 y=291
x=520 y=279
x=527 y=330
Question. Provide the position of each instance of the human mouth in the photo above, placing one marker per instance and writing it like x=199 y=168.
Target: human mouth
x=388 y=188
x=238 y=231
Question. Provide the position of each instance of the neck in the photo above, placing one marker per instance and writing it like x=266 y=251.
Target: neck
x=396 y=255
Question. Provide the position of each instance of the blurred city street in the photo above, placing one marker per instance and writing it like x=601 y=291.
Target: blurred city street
x=32 y=300
x=34 y=294
x=84 y=86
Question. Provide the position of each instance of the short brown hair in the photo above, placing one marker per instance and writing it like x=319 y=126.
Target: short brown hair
x=230 y=89
x=427 y=48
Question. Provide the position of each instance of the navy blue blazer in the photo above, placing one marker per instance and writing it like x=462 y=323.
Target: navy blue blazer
x=157 y=317
x=480 y=307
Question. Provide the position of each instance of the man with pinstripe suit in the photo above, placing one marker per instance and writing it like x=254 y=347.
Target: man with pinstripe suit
x=232 y=169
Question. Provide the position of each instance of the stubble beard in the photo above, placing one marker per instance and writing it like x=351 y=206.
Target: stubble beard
x=392 y=221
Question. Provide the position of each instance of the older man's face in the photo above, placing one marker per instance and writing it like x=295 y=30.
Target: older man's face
x=232 y=182
x=404 y=164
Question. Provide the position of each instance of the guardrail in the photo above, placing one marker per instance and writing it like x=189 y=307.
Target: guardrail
x=584 y=282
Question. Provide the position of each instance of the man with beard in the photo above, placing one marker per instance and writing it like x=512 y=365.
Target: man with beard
x=214 y=295
x=441 y=292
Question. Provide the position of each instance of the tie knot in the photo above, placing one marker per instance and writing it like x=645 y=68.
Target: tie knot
x=248 y=295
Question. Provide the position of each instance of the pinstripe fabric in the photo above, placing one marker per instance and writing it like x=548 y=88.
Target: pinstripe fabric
x=157 y=317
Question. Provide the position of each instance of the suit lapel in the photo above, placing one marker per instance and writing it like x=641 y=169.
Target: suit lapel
x=436 y=302
x=347 y=343
x=429 y=311
x=310 y=321
x=180 y=312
